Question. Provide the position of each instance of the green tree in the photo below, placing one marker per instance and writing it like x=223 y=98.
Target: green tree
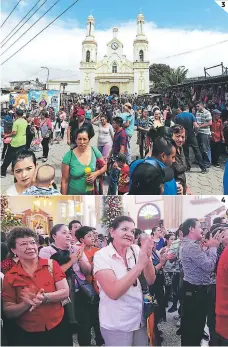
x=112 y=208
x=175 y=76
x=157 y=73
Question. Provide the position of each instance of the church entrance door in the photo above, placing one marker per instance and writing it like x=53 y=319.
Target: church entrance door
x=114 y=90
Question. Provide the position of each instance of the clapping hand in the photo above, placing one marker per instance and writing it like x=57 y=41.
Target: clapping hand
x=163 y=258
x=216 y=239
x=147 y=244
x=31 y=298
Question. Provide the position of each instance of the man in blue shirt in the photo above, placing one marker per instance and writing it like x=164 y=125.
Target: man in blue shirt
x=163 y=155
x=164 y=152
x=188 y=121
x=128 y=124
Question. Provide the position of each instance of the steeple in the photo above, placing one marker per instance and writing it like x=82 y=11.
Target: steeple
x=140 y=25
x=90 y=27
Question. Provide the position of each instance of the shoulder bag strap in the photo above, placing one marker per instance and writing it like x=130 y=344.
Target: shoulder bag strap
x=141 y=277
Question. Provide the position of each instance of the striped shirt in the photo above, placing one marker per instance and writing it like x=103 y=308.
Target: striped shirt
x=202 y=118
x=197 y=263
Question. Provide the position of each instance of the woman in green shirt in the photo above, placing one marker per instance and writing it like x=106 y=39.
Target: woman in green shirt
x=77 y=162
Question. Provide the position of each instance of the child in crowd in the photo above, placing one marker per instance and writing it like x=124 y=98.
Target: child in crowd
x=85 y=235
x=216 y=137
x=124 y=179
x=44 y=182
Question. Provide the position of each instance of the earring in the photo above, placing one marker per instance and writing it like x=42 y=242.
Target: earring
x=15 y=256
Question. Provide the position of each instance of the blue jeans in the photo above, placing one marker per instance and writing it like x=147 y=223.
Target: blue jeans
x=113 y=183
x=205 y=148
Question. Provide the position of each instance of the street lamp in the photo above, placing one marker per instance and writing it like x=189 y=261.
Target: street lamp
x=44 y=67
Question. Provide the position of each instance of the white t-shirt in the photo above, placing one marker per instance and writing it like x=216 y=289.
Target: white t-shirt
x=12 y=191
x=126 y=313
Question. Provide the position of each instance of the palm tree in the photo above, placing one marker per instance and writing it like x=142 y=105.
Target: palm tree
x=175 y=76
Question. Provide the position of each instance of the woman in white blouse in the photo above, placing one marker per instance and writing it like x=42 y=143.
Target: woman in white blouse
x=117 y=268
x=105 y=136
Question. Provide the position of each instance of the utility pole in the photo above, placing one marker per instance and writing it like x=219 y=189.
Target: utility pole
x=44 y=67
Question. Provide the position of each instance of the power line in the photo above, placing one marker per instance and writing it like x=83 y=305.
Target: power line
x=40 y=32
x=30 y=26
x=53 y=68
x=193 y=50
x=10 y=13
x=19 y=24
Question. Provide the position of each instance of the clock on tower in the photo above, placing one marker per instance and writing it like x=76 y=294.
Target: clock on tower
x=114 y=45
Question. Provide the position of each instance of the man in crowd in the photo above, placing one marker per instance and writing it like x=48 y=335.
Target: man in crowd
x=73 y=226
x=188 y=121
x=204 y=120
x=18 y=140
x=76 y=123
x=119 y=146
x=128 y=124
x=198 y=265
x=164 y=152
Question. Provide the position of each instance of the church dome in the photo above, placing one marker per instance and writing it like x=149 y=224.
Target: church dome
x=140 y=16
x=90 y=17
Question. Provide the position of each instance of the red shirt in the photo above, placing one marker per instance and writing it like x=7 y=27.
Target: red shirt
x=222 y=295
x=46 y=316
x=216 y=132
x=123 y=185
x=90 y=255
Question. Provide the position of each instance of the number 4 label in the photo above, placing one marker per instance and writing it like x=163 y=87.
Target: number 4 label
x=223 y=4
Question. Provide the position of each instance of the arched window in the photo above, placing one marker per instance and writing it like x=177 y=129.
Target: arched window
x=88 y=56
x=148 y=217
x=114 y=68
x=141 y=55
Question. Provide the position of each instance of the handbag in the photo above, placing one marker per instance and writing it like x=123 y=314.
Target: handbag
x=149 y=304
x=7 y=140
x=68 y=303
x=98 y=184
x=87 y=289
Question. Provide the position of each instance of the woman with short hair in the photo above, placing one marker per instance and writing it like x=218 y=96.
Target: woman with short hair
x=33 y=291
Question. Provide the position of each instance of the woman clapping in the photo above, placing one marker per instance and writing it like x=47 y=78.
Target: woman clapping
x=117 y=268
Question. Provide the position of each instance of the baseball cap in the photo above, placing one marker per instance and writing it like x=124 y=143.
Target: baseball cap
x=216 y=111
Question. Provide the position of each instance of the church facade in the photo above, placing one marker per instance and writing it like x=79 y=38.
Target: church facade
x=115 y=73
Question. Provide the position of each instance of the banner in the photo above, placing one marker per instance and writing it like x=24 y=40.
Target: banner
x=45 y=98
x=19 y=100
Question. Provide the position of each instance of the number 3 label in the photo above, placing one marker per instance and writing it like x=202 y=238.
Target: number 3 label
x=223 y=4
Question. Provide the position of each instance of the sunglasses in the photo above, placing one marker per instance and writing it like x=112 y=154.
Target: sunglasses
x=177 y=129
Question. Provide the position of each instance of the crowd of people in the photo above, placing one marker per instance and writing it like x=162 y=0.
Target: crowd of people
x=164 y=137
x=75 y=280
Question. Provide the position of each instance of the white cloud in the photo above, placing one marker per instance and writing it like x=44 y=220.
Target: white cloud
x=59 y=47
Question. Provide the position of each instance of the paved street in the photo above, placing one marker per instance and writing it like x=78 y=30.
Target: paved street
x=209 y=184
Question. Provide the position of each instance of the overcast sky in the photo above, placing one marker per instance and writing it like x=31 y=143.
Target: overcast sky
x=172 y=27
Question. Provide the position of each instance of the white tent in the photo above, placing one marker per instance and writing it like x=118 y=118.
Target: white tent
x=4 y=98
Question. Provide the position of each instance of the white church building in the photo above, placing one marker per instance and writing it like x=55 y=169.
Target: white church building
x=114 y=73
